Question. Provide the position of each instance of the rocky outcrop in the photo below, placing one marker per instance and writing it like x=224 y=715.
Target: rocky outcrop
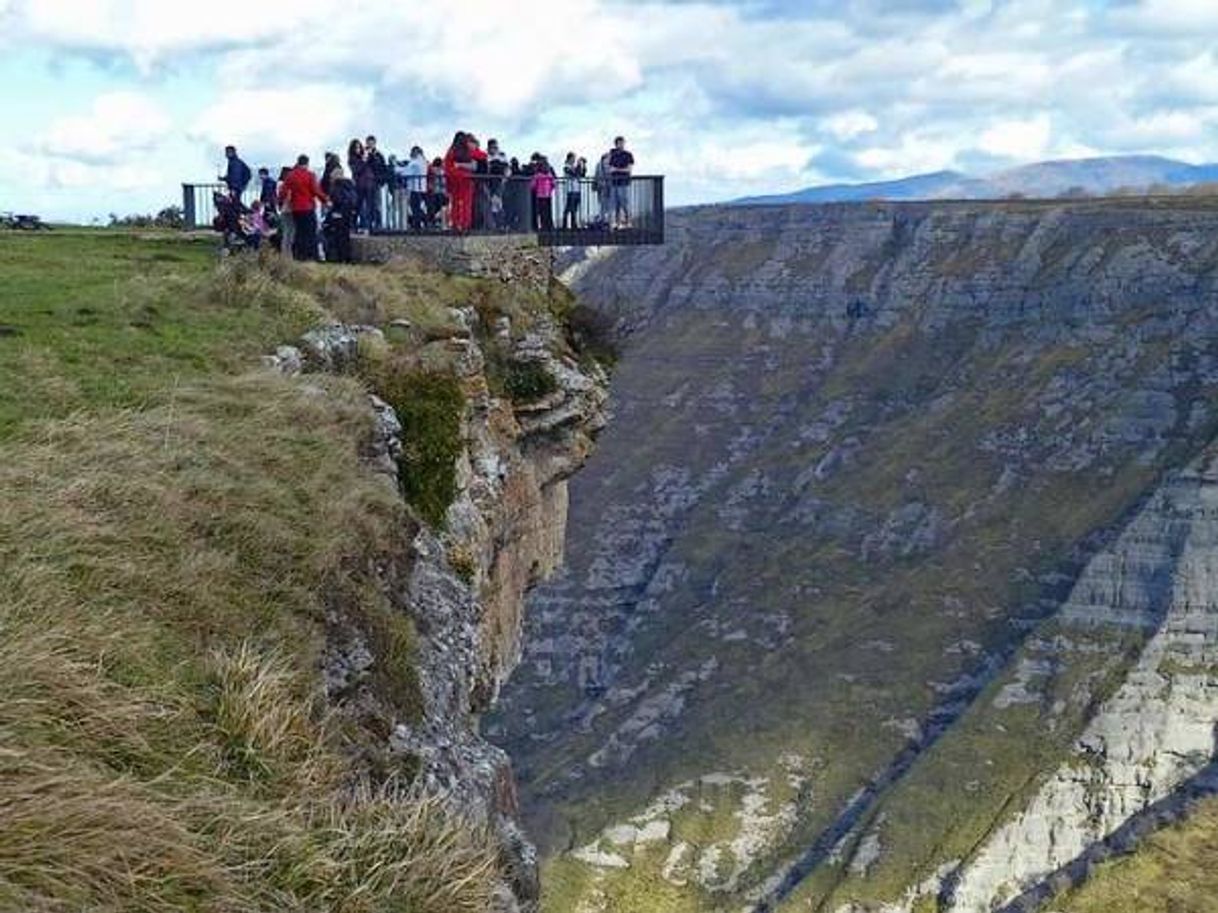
x=464 y=585
x=1157 y=731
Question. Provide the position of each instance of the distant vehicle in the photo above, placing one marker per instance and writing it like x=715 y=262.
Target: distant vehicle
x=18 y=222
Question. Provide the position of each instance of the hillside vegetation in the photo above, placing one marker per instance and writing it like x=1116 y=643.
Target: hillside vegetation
x=177 y=528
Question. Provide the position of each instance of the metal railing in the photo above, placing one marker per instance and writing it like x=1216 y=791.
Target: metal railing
x=198 y=207
x=581 y=211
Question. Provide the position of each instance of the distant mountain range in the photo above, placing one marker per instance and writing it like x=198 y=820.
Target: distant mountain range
x=1044 y=179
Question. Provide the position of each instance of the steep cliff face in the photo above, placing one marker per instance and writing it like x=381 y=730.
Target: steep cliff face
x=463 y=583
x=901 y=520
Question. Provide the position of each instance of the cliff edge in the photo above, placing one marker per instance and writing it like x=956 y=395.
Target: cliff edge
x=253 y=615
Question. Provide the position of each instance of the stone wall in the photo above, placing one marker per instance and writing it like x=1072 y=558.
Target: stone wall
x=510 y=258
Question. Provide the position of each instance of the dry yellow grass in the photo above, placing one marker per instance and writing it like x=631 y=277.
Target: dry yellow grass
x=166 y=574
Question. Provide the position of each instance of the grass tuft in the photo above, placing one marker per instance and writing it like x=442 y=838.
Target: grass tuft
x=261 y=720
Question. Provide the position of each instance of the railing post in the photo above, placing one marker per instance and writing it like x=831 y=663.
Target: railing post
x=188 y=206
x=659 y=204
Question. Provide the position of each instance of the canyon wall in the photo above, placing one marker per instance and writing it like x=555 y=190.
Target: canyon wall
x=902 y=519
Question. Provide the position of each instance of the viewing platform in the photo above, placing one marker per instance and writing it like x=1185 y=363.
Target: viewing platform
x=587 y=222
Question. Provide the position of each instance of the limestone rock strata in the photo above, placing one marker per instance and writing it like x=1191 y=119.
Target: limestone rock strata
x=860 y=454
x=1158 y=730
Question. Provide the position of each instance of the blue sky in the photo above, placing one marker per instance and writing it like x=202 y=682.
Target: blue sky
x=108 y=105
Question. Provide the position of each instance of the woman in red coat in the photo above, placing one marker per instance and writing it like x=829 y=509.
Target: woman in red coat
x=458 y=170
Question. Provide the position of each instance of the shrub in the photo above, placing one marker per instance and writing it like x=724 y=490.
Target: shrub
x=429 y=406
x=169 y=217
x=461 y=560
x=527 y=381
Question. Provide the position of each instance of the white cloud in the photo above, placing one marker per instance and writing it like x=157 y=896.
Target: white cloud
x=118 y=125
x=850 y=125
x=151 y=30
x=1168 y=16
x=68 y=184
x=715 y=93
x=275 y=125
x=976 y=9
x=913 y=153
x=1023 y=140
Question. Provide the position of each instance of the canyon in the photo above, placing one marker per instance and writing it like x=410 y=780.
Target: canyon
x=891 y=584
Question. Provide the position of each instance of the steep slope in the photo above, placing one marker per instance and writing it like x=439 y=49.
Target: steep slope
x=811 y=646
x=1172 y=870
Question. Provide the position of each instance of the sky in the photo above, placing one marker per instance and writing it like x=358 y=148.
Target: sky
x=109 y=105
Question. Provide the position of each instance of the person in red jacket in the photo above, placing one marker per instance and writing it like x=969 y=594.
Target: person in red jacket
x=299 y=194
x=459 y=167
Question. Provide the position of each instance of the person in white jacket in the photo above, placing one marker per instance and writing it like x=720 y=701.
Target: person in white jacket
x=411 y=178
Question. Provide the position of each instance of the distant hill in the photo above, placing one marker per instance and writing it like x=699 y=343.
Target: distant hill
x=1043 y=179
x=920 y=187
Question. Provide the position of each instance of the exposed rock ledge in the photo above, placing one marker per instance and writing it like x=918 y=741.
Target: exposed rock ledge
x=1156 y=732
x=464 y=586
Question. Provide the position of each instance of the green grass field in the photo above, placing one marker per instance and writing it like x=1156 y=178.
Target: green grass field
x=176 y=527
x=99 y=319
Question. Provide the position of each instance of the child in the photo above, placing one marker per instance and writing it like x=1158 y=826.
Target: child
x=256 y=226
x=542 y=186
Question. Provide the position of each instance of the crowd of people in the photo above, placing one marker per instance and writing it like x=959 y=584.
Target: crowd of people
x=467 y=189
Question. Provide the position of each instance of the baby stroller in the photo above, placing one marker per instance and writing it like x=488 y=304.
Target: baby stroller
x=229 y=222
